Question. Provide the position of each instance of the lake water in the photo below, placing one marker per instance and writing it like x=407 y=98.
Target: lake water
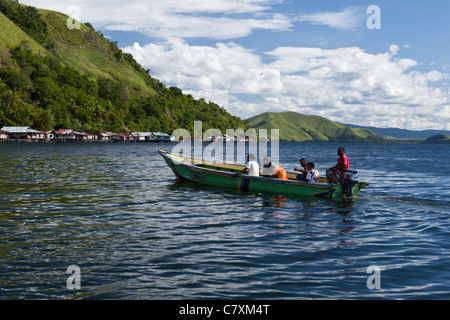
x=117 y=212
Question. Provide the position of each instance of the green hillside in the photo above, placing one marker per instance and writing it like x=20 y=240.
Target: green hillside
x=299 y=127
x=90 y=53
x=438 y=138
x=53 y=77
x=11 y=35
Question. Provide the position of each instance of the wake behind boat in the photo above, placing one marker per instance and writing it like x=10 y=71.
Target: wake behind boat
x=226 y=175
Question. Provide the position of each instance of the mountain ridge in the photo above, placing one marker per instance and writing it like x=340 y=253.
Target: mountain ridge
x=400 y=133
x=294 y=126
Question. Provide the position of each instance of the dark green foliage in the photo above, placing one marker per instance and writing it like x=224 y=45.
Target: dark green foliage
x=175 y=91
x=87 y=24
x=438 y=138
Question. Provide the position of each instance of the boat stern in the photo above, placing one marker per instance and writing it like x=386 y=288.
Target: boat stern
x=340 y=192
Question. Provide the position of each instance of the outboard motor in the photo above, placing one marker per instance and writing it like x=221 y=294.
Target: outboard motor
x=348 y=181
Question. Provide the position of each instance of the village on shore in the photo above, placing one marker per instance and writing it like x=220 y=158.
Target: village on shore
x=27 y=134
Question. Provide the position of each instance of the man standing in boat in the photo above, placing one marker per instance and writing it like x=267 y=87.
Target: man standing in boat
x=337 y=172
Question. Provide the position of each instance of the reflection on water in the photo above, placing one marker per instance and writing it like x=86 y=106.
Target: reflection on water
x=276 y=201
x=118 y=212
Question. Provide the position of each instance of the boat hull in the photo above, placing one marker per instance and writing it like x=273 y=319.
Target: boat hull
x=225 y=175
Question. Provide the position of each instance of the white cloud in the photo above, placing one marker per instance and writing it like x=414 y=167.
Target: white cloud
x=344 y=84
x=349 y=18
x=393 y=49
x=216 y=19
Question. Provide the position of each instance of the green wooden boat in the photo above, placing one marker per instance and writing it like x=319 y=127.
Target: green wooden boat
x=226 y=175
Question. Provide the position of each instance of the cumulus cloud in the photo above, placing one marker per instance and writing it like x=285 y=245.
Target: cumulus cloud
x=344 y=84
x=216 y=19
x=217 y=73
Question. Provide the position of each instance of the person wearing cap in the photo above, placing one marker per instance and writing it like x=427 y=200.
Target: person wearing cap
x=267 y=168
x=273 y=171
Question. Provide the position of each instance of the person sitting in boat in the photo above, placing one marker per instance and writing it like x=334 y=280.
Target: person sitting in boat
x=267 y=168
x=334 y=174
x=277 y=171
x=252 y=167
x=312 y=175
x=303 y=169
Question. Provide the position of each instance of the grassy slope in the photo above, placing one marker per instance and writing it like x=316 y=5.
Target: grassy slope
x=83 y=48
x=11 y=36
x=90 y=53
x=298 y=127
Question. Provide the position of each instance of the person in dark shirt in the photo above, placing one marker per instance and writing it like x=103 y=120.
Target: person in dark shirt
x=303 y=169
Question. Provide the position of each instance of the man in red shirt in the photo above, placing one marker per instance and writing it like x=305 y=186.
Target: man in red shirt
x=335 y=173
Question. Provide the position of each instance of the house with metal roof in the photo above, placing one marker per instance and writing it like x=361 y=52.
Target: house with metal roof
x=24 y=133
x=155 y=136
x=104 y=136
x=69 y=135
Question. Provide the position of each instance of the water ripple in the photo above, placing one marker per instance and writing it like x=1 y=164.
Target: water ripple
x=117 y=212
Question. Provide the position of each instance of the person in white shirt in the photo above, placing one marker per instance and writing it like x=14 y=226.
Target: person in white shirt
x=252 y=167
x=312 y=175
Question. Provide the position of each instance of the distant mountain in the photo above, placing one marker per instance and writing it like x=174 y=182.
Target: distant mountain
x=299 y=127
x=438 y=138
x=401 y=133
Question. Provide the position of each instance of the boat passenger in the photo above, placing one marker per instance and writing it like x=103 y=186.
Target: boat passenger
x=252 y=167
x=267 y=168
x=303 y=169
x=277 y=171
x=280 y=173
x=312 y=175
x=334 y=174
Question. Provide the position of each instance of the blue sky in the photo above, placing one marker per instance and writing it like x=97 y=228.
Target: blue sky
x=313 y=57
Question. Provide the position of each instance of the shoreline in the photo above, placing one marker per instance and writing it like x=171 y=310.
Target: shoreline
x=76 y=141
x=396 y=141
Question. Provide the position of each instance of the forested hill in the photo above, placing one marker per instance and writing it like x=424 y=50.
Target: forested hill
x=53 y=77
